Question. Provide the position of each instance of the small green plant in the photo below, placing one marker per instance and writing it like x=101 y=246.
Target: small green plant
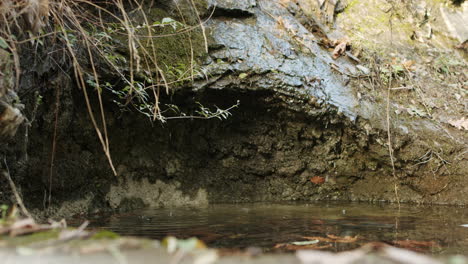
x=446 y=63
x=3 y=43
x=3 y=210
x=201 y=113
x=391 y=71
x=219 y=113
x=8 y=214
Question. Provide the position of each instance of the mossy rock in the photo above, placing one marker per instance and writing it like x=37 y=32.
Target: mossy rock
x=105 y=234
x=35 y=238
x=172 y=41
x=7 y=76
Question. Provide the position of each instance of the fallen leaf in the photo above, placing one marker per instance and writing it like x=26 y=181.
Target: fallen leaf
x=326 y=43
x=333 y=238
x=463 y=45
x=415 y=245
x=317 y=180
x=461 y=124
x=303 y=243
x=409 y=65
x=299 y=247
x=340 y=48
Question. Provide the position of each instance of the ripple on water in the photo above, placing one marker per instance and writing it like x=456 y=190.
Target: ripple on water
x=264 y=225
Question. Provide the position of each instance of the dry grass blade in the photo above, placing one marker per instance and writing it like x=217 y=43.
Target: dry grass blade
x=389 y=143
x=103 y=138
x=333 y=238
x=15 y=191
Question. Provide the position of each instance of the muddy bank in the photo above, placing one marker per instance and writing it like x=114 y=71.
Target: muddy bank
x=264 y=152
x=304 y=129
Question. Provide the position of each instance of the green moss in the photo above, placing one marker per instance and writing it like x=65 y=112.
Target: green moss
x=351 y=5
x=175 y=48
x=6 y=70
x=105 y=234
x=169 y=40
x=33 y=238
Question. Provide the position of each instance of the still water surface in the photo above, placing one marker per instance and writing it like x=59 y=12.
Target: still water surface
x=434 y=230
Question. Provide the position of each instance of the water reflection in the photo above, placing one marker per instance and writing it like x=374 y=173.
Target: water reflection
x=438 y=228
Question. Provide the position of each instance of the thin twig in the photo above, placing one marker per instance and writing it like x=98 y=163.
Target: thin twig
x=201 y=25
x=402 y=88
x=389 y=143
x=54 y=144
x=15 y=191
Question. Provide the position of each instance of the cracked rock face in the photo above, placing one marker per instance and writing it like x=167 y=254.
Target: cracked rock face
x=270 y=50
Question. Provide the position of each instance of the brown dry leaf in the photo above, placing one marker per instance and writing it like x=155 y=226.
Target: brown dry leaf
x=340 y=47
x=35 y=14
x=299 y=247
x=415 y=244
x=461 y=123
x=409 y=65
x=333 y=238
x=323 y=239
x=280 y=22
x=317 y=180
x=463 y=45
x=326 y=43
